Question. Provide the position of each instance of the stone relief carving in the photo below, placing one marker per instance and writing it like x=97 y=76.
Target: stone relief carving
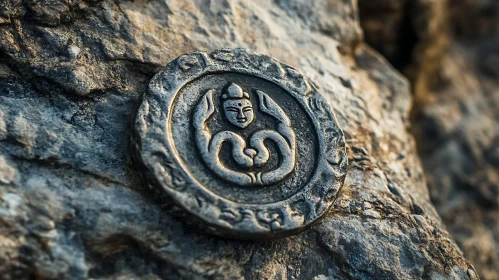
x=238 y=111
x=247 y=140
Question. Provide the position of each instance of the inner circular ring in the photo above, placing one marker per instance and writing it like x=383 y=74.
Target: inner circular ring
x=227 y=110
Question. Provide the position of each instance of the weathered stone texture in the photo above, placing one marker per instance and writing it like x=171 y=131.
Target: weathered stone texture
x=456 y=113
x=460 y=130
x=413 y=35
x=73 y=205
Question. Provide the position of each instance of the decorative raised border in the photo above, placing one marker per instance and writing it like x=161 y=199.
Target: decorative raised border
x=155 y=149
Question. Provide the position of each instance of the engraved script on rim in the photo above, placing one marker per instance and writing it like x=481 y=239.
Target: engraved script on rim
x=242 y=142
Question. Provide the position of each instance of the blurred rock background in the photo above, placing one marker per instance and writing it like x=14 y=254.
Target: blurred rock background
x=413 y=83
x=450 y=52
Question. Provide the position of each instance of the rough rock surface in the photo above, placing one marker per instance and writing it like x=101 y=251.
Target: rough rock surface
x=413 y=35
x=460 y=126
x=461 y=154
x=73 y=206
x=456 y=115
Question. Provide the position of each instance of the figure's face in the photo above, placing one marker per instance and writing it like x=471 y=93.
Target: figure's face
x=239 y=112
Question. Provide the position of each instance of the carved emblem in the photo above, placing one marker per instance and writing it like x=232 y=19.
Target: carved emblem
x=242 y=142
x=238 y=111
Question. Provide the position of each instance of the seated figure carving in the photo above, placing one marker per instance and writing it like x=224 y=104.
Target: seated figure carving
x=238 y=111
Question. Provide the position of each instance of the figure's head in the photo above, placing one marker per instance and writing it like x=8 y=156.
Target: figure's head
x=237 y=106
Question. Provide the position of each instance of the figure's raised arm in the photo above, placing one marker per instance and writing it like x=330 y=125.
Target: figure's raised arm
x=204 y=110
x=268 y=106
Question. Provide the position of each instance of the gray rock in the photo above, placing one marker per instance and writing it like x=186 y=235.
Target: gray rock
x=455 y=113
x=73 y=205
x=461 y=152
x=413 y=35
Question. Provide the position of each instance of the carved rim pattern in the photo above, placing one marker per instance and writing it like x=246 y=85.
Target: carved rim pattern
x=155 y=149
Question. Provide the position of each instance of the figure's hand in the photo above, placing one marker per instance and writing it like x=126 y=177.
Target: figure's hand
x=263 y=101
x=268 y=106
x=205 y=108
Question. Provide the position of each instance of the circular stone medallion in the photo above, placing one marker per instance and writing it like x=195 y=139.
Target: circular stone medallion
x=242 y=142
